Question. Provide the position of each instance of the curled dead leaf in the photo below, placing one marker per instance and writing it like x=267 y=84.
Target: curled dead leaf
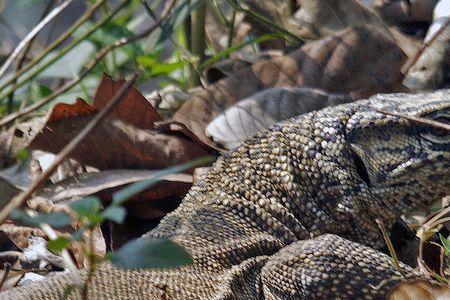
x=419 y=290
x=103 y=184
x=260 y=111
x=429 y=71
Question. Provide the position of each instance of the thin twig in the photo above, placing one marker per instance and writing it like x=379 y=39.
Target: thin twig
x=21 y=59
x=91 y=269
x=100 y=55
x=32 y=34
x=7 y=268
x=63 y=51
x=410 y=63
x=441 y=259
x=66 y=151
x=423 y=121
x=390 y=247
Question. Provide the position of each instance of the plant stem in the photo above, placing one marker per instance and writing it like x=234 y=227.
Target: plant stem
x=91 y=267
x=197 y=41
x=231 y=29
x=24 y=54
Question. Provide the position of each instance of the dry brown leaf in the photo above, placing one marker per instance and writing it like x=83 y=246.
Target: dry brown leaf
x=358 y=60
x=124 y=140
x=116 y=145
x=16 y=138
x=104 y=183
x=18 y=234
x=278 y=12
x=133 y=109
x=228 y=67
x=8 y=191
x=64 y=110
x=320 y=18
x=419 y=290
x=405 y=10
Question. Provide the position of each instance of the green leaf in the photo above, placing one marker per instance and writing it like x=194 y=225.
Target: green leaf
x=55 y=219
x=42 y=90
x=115 y=214
x=229 y=50
x=151 y=253
x=156 y=68
x=94 y=220
x=446 y=244
x=23 y=154
x=135 y=188
x=58 y=244
x=87 y=206
x=113 y=31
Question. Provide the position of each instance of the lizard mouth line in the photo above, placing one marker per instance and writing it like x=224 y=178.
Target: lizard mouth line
x=437 y=164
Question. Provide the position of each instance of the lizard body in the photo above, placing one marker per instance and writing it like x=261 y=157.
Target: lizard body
x=291 y=213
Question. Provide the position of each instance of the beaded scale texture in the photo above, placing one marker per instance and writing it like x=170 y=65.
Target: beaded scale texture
x=291 y=213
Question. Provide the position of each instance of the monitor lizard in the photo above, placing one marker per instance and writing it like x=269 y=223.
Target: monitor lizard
x=290 y=214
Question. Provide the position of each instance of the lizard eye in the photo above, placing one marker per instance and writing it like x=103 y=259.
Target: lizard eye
x=437 y=135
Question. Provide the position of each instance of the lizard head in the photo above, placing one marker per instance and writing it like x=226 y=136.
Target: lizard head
x=402 y=163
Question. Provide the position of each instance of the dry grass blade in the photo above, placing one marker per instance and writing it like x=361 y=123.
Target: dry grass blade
x=423 y=121
x=390 y=247
x=69 y=148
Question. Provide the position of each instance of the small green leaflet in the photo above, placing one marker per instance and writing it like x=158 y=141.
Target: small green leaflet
x=446 y=244
x=150 y=253
x=58 y=244
x=55 y=219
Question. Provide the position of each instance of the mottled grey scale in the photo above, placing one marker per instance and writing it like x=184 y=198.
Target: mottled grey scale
x=291 y=213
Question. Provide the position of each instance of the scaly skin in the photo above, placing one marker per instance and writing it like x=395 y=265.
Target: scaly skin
x=290 y=214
